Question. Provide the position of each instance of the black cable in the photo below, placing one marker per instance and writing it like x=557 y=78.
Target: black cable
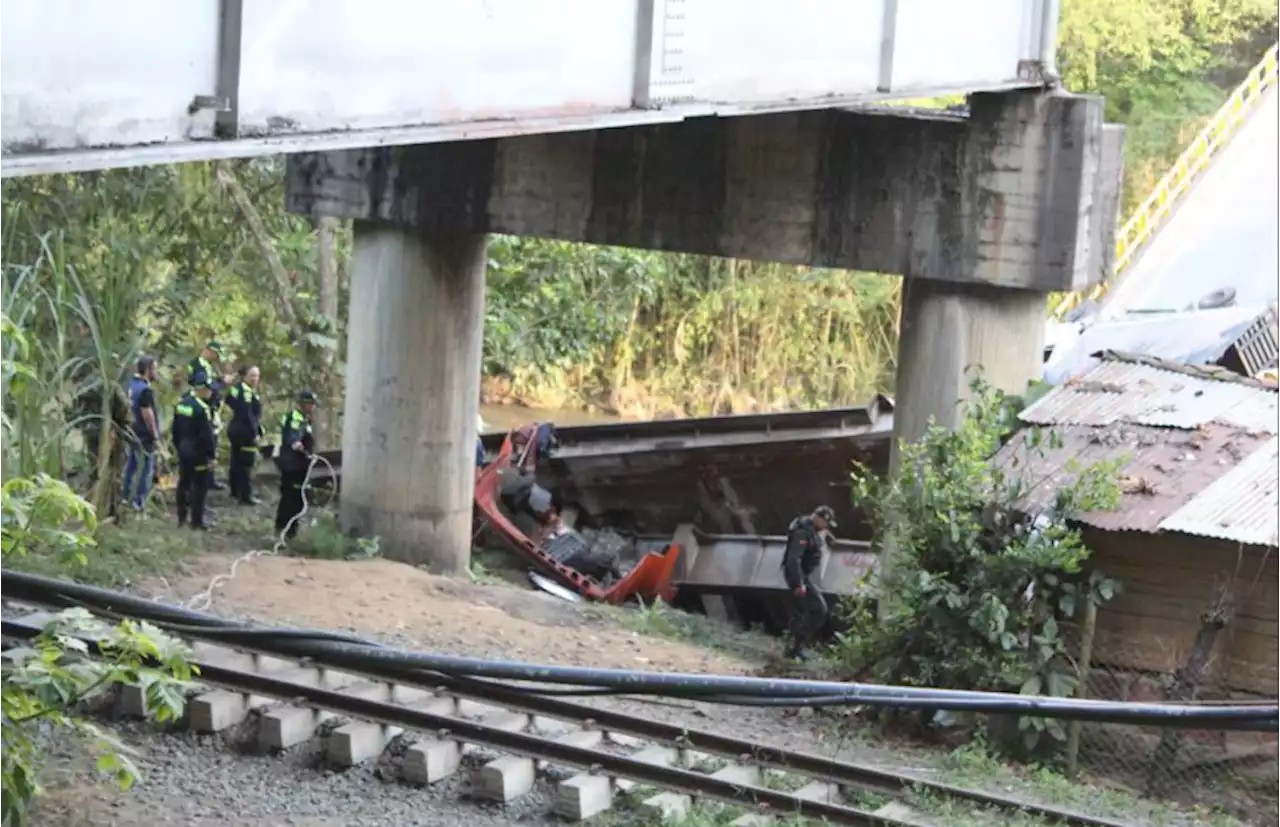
x=342 y=651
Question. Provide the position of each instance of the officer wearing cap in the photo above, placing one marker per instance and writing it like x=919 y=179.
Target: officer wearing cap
x=243 y=432
x=800 y=560
x=204 y=363
x=297 y=444
x=194 y=443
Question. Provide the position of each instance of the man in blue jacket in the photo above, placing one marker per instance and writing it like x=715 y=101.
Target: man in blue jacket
x=145 y=432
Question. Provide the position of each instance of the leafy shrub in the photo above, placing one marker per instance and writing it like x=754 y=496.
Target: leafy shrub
x=980 y=582
x=48 y=680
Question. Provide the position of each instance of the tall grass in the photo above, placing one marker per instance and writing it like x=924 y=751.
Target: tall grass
x=652 y=334
x=78 y=337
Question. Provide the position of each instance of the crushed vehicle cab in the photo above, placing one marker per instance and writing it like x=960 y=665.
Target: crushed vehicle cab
x=526 y=516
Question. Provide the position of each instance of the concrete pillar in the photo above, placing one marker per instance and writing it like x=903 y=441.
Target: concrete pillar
x=948 y=328
x=413 y=385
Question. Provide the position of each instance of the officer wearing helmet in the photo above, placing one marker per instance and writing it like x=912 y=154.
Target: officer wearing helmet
x=799 y=562
x=297 y=445
x=195 y=443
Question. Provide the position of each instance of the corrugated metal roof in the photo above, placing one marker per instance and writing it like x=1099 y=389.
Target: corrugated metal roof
x=1164 y=469
x=1140 y=394
x=1242 y=505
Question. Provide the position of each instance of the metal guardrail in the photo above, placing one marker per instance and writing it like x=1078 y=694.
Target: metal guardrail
x=1150 y=216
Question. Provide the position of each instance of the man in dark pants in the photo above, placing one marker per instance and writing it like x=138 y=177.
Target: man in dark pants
x=799 y=562
x=243 y=432
x=193 y=441
x=145 y=433
x=205 y=363
x=297 y=444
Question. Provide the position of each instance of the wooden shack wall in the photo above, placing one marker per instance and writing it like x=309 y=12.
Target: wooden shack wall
x=1168 y=581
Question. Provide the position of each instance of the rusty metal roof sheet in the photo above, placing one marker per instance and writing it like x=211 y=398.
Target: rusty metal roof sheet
x=1163 y=469
x=1116 y=392
x=1242 y=505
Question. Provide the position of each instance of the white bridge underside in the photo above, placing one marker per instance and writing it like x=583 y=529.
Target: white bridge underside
x=136 y=82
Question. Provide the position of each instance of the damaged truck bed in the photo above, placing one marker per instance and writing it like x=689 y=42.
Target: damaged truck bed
x=742 y=479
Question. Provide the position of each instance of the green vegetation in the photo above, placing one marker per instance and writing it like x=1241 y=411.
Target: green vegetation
x=673 y=334
x=48 y=681
x=1164 y=66
x=121 y=556
x=323 y=538
x=986 y=568
x=659 y=620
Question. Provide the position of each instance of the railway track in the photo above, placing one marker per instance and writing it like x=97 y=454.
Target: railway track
x=505 y=740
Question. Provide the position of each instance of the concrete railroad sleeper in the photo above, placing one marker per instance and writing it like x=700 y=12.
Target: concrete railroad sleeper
x=414 y=702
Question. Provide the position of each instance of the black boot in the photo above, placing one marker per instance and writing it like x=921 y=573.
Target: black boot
x=796 y=653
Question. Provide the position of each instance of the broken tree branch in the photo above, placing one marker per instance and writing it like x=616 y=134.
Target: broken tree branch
x=1186 y=686
x=227 y=178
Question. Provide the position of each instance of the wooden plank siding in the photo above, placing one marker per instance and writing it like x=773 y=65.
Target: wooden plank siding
x=1169 y=580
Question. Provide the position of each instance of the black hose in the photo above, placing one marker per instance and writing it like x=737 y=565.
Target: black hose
x=342 y=651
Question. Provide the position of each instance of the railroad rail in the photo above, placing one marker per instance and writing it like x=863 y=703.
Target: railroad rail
x=441 y=726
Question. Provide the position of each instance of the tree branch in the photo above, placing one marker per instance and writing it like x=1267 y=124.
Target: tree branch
x=227 y=178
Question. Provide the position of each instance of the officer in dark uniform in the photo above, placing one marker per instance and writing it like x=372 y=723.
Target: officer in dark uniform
x=243 y=432
x=204 y=363
x=297 y=444
x=799 y=562
x=195 y=445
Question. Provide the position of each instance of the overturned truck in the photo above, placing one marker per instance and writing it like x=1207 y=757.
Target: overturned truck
x=610 y=514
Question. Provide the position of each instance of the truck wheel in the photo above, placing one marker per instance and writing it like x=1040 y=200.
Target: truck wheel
x=1226 y=297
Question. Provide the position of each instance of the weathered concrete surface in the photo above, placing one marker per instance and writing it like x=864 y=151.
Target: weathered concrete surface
x=412 y=392
x=947 y=329
x=1110 y=184
x=1006 y=197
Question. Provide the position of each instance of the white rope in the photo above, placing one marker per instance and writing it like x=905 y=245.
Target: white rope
x=204 y=599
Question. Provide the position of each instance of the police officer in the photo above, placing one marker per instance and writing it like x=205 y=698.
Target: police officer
x=204 y=363
x=297 y=444
x=145 y=433
x=194 y=443
x=243 y=432
x=800 y=560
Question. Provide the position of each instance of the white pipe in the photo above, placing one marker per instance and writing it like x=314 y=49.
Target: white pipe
x=1049 y=11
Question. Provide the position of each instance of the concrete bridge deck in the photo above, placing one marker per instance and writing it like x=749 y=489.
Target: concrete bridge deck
x=432 y=123
x=136 y=82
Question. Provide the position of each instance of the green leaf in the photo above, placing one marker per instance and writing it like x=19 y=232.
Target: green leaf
x=1031 y=686
x=1055 y=729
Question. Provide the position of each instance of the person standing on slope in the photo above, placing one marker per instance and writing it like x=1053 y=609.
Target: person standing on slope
x=799 y=562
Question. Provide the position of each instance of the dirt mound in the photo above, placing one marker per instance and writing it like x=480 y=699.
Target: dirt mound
x=408 y=606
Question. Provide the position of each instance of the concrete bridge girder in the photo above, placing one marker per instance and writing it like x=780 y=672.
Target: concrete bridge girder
x=983 y=215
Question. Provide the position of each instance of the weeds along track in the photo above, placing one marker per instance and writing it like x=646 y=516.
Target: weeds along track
x=505 y=740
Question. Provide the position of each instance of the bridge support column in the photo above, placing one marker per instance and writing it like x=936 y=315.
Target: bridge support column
x=947 y=329
x=412 y=392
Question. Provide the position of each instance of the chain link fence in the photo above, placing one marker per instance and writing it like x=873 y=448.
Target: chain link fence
x=1220 y=772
